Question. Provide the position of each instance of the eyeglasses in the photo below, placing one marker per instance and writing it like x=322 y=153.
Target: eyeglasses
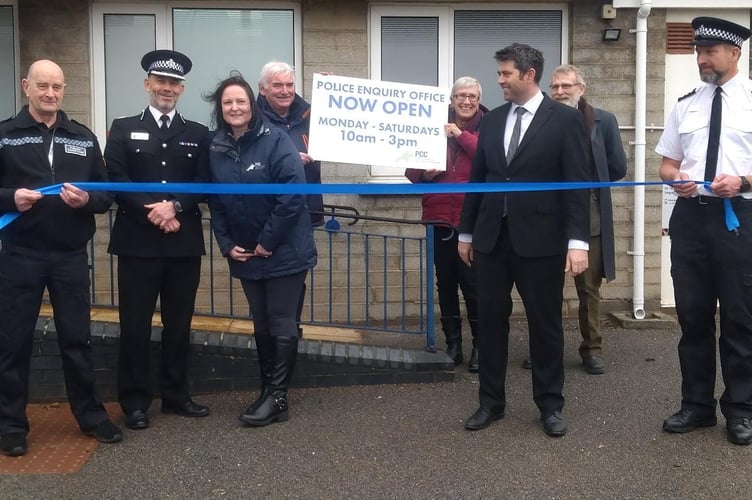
x=563 y=86
x=469 y=97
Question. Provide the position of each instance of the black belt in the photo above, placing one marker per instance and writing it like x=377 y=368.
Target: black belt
x=715 y=200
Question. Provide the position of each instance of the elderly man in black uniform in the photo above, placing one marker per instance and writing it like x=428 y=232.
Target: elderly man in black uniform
x=158 y=239
x=707 y=136
x=46 y=248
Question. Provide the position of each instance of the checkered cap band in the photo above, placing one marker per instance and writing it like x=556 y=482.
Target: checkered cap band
x=718 y=34
x=166 y=65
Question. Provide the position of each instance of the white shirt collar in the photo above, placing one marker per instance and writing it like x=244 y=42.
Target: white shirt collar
x=532 y=105
x=157 y=114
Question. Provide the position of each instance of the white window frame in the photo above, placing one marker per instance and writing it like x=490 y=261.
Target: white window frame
x=445 y=14
x=16 y=56
x=163 y=15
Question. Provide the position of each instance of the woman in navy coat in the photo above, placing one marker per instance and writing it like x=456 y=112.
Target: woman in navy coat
x=267 y=239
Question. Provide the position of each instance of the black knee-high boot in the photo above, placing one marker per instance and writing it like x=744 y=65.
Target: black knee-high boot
x=274 y=407
x=452 y=326
x=265 y=351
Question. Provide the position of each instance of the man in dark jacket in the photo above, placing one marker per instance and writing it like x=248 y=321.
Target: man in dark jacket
x=158 y=239
x=46 y=248
x=285 y=109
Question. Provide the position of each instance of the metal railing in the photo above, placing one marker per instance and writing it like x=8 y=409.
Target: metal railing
x=369 y=279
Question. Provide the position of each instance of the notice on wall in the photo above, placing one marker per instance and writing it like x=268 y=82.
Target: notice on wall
x=370 y=122
x=667 y=207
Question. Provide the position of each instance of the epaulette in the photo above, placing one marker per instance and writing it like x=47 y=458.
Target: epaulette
x=185 y=120
x=687 y=95
x=8 y=119
x=82 y=125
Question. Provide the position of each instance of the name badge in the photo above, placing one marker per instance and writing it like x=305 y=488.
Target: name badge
x=75 y=150
x=139 y=136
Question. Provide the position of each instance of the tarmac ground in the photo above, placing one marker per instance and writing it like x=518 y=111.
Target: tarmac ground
x=408 y=441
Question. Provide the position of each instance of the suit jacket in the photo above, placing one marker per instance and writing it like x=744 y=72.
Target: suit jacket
x=610 y=166
x=553 y=149
x=138 y=151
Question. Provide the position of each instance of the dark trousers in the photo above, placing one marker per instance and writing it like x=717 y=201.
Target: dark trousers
x=141 y=281
x=540 y=283
x=274 y=304
x=710 y=264
x=588 y=285
x=24 y=274
x=452 y=273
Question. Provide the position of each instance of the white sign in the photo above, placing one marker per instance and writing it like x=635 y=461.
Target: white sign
x=369 y=122
x=669 y=200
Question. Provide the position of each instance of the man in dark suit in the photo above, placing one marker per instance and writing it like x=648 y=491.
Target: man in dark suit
x=527 y=239
x=158 y=239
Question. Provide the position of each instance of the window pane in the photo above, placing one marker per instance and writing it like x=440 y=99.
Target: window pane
x=7 y=64
x=127 y=37
x=479 y=34
x=221 y=40
x=410 y=50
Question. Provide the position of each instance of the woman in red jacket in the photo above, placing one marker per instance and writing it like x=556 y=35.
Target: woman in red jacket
x=465 y=113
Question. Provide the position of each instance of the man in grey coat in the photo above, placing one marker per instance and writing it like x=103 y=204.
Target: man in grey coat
x=609 y=163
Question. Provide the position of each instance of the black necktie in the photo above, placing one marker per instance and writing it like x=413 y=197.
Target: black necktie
x=165 y=120
x=516 y=130
x=714 y=136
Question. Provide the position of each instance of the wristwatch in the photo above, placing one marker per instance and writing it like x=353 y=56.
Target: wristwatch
x=745 y=187
x=178 y=206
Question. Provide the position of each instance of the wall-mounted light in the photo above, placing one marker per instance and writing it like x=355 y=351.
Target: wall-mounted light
x=611 y=34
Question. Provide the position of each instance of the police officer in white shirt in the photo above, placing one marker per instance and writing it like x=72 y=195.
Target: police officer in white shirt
x=708 y=137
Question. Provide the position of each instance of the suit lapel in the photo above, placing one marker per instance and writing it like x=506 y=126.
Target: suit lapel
x=545 y=110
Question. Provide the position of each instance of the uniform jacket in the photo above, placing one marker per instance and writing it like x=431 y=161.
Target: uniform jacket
x=553 y=149
x=280 y=223
x=138 y=151
x=610 y=166
x=50 y=225
x=297 y=124
x=460 y=152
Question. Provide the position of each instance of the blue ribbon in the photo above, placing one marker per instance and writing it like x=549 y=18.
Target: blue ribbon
x=732 y=221
x=360 y=189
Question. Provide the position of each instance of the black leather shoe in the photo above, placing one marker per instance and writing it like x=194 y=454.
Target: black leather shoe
x=105 y=432
x=527 y=364
x=739 y=430
x=187 y=409
x=688 y=420
x=473 y=366
x=594 y=365
x=482 y=418
x=554 y=424
x=136 y=420
x=14 y=444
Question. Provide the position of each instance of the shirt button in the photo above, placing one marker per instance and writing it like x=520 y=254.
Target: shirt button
x=138 y=150
x=164 y=145
x=164 y=181
x=190 y=155
x=164 y=163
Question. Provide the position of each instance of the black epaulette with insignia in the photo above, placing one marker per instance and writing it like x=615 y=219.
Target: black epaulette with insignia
x=82 y=125
x=687 y=95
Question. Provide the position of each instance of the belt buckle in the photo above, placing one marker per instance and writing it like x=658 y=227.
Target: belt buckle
x=701 y=200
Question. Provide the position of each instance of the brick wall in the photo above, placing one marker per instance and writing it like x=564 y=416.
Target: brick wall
x=59 y=31
x=228 y=362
